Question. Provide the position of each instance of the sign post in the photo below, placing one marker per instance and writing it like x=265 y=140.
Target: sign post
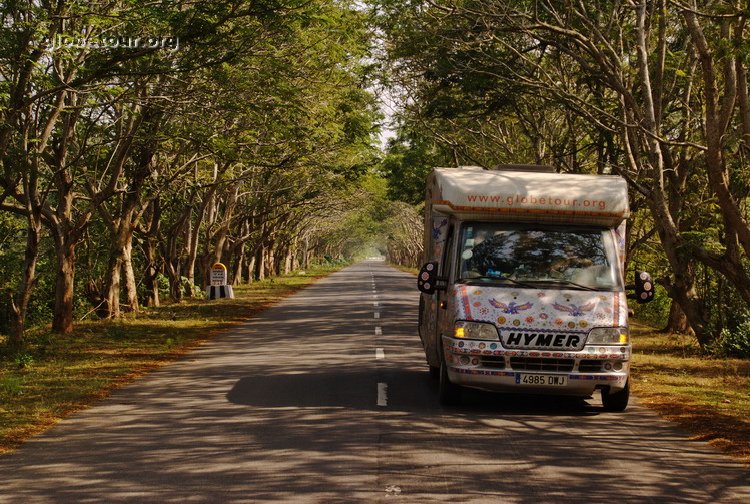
x=219 y=287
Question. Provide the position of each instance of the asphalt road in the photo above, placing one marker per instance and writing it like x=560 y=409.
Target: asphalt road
x=326 y=398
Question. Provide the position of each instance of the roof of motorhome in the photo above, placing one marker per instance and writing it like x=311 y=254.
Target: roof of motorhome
x=473 y=192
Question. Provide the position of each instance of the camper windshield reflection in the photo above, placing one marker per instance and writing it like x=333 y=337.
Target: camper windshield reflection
x=568 y=258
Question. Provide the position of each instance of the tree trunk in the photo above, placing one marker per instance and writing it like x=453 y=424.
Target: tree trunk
x=268 y=261
x=151 y=272
x=251 y=270
x=19 y=310
x=62 y=321
x=112 y=283
x=131 y=286
x=192 y=248
x=119 y=263
x=150 y=247
x=306 y=254
x=677 y=321
x=260 y=255
x=239 y=266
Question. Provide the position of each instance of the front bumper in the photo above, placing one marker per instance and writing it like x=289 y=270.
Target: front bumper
x=487 y=365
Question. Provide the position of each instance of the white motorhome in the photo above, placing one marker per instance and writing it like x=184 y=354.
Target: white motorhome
x=523 y=284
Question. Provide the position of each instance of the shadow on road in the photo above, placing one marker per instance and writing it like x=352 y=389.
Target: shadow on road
x=412 y=392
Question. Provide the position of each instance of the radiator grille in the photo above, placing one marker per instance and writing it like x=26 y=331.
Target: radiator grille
x=536 y=364
x=493 y=362
x=590 y=366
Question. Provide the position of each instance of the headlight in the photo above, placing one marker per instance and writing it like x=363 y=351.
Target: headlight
x=608 y=336
x=475 y=330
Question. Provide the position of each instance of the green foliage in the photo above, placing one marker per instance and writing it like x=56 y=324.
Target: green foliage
x=655 y=313
x=559 y=83
x=733 y=341
x=230 y=139
x=12 y=240
x=11 y=385
x=409 y=159
x=23 y=360
x=163 y=283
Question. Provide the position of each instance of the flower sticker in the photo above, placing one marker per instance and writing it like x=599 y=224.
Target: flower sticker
x=516 y=322
x=543 y=316
x=501 y=320
x=529 y=320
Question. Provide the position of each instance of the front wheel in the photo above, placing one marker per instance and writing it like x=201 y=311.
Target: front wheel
x=449 y=393
x=617 y=401
x=434 y=372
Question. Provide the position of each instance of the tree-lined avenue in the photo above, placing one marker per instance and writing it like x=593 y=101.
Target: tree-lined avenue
x=316 y=400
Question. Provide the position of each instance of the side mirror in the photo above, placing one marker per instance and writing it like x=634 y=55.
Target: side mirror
x=644 y=287
x=427 y=279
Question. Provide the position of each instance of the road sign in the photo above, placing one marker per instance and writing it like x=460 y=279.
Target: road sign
x=218 y=274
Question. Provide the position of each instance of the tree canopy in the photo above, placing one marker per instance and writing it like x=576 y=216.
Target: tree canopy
x=146 y=141
x=654 y=91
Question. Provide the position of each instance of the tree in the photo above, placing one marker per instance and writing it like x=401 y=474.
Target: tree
x=614 y=87
x=212 y=143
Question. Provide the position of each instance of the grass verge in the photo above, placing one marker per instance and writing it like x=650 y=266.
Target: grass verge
x=709 y=397
x=57 y=375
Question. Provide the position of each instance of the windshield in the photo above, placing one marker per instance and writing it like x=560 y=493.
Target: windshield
x=570 y=258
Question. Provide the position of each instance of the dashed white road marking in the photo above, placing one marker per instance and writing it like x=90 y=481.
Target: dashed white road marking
x=379 y=354
x=375 y=303
x=382 y=394
x=378 y=331
x=377 y=314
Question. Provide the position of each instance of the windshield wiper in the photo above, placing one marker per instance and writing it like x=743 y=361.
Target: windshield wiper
x=499 y=278
x=567 y=282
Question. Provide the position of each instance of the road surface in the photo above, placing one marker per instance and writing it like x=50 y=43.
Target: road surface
x=326 y=398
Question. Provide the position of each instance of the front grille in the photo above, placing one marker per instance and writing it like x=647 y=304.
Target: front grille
x=590 y=366
x=493 y=362
x=535 y=364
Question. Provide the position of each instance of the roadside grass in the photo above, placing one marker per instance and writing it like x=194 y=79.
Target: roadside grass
x=709 y=397
x=60 y=374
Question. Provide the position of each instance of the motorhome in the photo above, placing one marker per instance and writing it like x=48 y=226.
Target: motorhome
x=523 y=287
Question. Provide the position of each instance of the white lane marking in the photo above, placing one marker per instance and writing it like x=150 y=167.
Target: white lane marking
x=374 y=303
x=379 y=354
x=382 y=394
x=378 y=331
x=377 y=314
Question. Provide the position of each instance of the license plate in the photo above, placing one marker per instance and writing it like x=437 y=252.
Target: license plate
x=541 y=379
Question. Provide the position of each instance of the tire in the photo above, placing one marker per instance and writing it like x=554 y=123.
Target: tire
x=420 y=317
x=449 y=393
x=617 y=401
x=434 y=372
